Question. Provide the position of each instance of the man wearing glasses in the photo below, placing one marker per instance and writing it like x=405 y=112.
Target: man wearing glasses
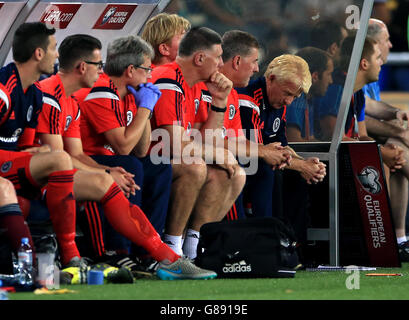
x=80 y=66
x=115 y=131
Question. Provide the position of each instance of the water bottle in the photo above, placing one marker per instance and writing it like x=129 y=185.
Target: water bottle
x=25 y=262
x=15 y=263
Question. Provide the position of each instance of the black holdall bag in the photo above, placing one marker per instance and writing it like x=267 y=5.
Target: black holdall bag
x=249 y=248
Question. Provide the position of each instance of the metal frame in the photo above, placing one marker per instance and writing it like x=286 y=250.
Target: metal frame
x=159 y=8
x=21 y=18
x=332 y=233
x=30 y=5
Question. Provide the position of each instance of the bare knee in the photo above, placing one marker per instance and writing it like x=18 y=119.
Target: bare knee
x=221 y=177
x=102 y=182
x=91 y=185
x=7 y=192
x=59 y=161
x=195 y=172
x=238 y=180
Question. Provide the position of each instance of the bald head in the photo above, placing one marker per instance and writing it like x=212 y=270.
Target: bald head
x=378 y=31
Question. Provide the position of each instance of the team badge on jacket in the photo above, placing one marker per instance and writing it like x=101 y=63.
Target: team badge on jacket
x=276 y=124
x=232 y=112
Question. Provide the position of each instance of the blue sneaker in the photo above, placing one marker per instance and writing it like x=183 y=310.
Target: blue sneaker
x=183 y=269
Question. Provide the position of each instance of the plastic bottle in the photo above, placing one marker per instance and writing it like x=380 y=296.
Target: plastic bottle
x=15 y=263
x=25 y=262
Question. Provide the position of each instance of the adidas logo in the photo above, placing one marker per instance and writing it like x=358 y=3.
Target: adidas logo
x=241 y=266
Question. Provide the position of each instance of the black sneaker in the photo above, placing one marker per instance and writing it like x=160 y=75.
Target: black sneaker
x=404 y=251
x=138 y=270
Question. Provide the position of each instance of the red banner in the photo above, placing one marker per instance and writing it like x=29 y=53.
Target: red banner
x=374 y=206
x=115 y=16
x=59 y=15
x=1 y=4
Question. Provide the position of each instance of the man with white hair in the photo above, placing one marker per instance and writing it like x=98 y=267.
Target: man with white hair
x=263 y=106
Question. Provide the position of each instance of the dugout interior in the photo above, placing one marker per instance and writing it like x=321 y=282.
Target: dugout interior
x=281 y=26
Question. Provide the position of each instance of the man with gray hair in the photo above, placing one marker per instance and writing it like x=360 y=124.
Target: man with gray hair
x=240 y=63
x=203 y=188
x=385 y=123
x=115 y=125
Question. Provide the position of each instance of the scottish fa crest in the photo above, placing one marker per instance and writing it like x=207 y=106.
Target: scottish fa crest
x=196 y=105
x=276 y=124
x=129 y=117
x=369 y=179
x=29 y=113
x=68 y=121
x=232 y=111
x=6 y=166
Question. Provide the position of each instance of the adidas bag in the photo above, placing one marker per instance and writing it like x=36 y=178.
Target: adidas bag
x=250 y=248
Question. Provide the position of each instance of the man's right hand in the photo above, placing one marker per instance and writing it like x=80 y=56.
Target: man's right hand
x=275 y=155
x=146 y=95
x=219 y=87
x=124 y=180
x=227 y=163
x=313 y=170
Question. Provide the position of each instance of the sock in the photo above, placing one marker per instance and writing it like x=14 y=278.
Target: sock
x=61 y=205
x=129 y=220
x=175 y=242
x=95 y=227
x=190 y=243
x=401 y=239
x=15 y=227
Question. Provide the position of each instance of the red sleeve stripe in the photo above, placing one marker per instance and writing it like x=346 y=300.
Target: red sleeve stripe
x=11 y=83
x=256 y=126
x=179 y=99
x=58 y=92
x=115 y=104
x=284 y=113
x=54 y=112
x=117 y=110
x=258 y=95
x=54 y=123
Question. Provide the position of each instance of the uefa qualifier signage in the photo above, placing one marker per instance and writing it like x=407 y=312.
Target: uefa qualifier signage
x=114 y=17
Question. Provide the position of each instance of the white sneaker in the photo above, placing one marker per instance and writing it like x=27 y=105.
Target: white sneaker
x=181 y=269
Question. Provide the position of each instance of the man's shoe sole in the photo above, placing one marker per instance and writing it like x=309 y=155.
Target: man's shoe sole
x=168 y=275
